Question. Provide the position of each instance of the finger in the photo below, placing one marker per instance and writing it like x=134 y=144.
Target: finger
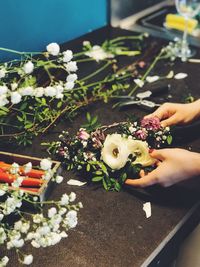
x=142 y=173
x=159 y=154
x=146 y=180
x=157 y=163
x=170 y=121
x=160 y=113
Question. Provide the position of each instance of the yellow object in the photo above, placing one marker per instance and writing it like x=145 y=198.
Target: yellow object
x=178 y=22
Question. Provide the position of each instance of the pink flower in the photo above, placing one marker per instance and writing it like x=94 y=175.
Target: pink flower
x=152 y=124
x=141 y=134
x=82 y=134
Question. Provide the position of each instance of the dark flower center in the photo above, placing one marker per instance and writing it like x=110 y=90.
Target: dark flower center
x=115 y=152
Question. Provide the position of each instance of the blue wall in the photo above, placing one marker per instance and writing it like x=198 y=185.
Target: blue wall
x=29 y=25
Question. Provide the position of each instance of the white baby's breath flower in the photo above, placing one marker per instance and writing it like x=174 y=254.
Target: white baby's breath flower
x=4 y=261
x=71 y=219
x=2 y=73
x=72 y=77
x=14 y=86
x=98 y=53
x=17 y=182
x=1 y=217
x=115 y=151
x=45 y=164
x=51 y=212
x=64 y=200
x=59 y=179
x=67 y=56
x=28 y=67
x=72 y=197
x=26 y=91
x=139 y=82
x=3 y=100
x=27 y=167
x=69 y=85
x=38 y=218
x=39 y=92
x=15 y=97
x=53 y=49
x=86 y=43
x=28 y=259
x=14 y=168
x=2 y=192
x=50 y=91
x=3 y=89
x=71 y=66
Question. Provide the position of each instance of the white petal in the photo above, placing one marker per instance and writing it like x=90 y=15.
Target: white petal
x=76 y=182
x=180 y=76
x=151 y=79
x=147 y=209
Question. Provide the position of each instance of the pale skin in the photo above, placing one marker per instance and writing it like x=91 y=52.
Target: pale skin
x=173 y=165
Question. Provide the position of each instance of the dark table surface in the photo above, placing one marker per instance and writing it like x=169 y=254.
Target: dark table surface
x=112 y=229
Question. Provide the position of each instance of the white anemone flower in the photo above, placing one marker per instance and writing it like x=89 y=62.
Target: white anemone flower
x=115 y=151
x=140 y=149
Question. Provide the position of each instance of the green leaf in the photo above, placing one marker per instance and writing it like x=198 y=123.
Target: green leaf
x=24 y=106
x=98 y=172
x=4 y=109
x=169 y=139
x=123 y=177
x=88 y=167
x=117 y=186
x=88 y=116
x=59 y=105
x=105 y=185
x=97 y=178
x=19 y=118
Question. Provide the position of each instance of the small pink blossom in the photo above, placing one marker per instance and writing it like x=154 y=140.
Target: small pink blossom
x=141 y=134
x=82 y=134
x=152 y=124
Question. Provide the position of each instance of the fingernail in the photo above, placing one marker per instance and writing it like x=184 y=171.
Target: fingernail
x=151 y=150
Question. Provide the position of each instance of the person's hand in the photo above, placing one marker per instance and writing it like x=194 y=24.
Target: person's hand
x=174 y=113
x=173 y=165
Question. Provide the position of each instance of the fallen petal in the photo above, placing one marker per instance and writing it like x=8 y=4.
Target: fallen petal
x=147 y=209
x=76 y=182
x=151 y=79
x=180 y=76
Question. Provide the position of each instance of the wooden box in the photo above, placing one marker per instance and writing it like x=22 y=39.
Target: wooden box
x=46 y=188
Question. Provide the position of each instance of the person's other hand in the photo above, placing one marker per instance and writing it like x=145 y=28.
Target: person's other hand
x=174 y=113
x=173 y=165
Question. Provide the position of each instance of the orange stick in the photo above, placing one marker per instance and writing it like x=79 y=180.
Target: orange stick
x=10 y=178
x=33 y=173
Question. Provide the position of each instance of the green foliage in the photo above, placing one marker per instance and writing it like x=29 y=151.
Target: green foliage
x=92 y=123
